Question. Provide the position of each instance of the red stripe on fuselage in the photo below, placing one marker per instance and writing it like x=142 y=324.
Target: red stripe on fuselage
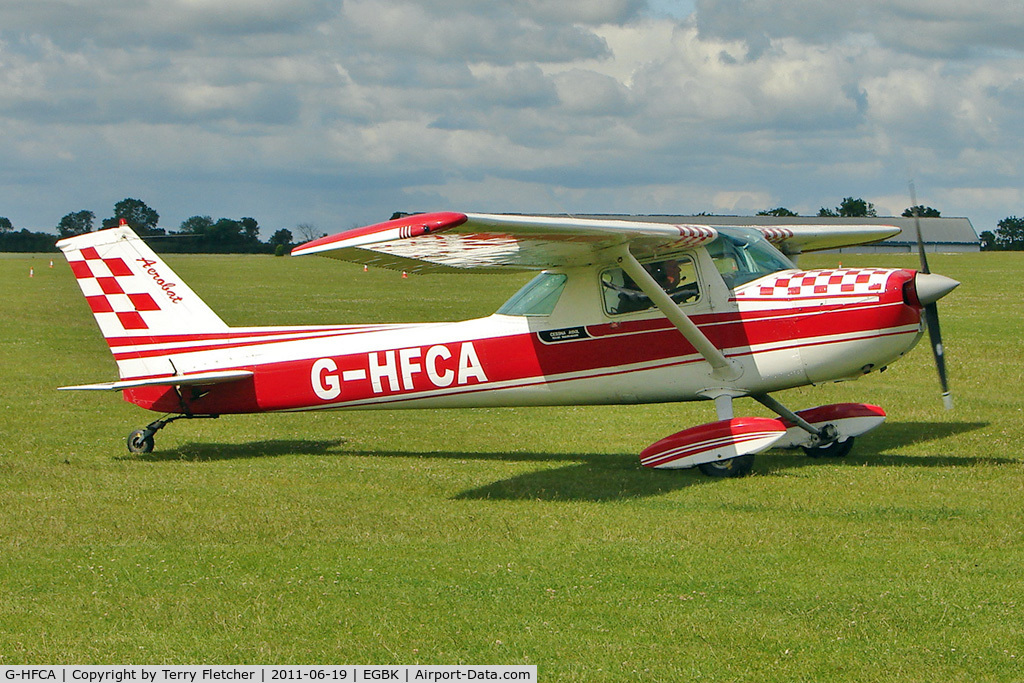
x=520 y=360
x=136 y=347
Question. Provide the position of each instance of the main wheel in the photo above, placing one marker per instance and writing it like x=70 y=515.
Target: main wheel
x=140 y=441
x=836 y=449
x=733 y=467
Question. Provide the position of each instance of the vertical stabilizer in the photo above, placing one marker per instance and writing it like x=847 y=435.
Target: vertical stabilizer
x=131 y=291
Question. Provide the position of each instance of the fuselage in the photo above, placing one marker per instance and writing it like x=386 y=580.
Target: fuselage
x=576 y=345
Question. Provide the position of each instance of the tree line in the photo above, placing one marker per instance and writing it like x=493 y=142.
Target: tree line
x=1008 y=235
x=852 y=207
x=203 y=235
x=198 y=234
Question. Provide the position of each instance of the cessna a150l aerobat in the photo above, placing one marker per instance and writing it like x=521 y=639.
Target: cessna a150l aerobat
x=620 y=312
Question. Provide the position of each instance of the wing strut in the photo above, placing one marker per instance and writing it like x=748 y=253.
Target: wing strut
x=724 y=369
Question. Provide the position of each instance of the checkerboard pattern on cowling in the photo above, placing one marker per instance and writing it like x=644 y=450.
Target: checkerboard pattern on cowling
x=113 y=291
x=818 y=283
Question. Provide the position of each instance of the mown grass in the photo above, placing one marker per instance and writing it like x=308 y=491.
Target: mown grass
x=506 y=535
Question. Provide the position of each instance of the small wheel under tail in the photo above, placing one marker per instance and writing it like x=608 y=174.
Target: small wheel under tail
x=733 y=467
x=140 y=441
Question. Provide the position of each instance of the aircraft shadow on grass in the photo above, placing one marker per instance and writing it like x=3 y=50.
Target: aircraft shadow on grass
x=617 y=477
x=211 y=452
x=607 y=477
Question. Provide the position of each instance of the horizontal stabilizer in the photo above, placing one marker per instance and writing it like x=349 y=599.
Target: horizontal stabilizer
x=192 y=379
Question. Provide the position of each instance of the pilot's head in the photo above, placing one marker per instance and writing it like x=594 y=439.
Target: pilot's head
x=665 y=273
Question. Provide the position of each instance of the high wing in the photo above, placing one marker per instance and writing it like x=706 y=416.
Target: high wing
x=449 y=241
x=795 y=239
x=437 y=242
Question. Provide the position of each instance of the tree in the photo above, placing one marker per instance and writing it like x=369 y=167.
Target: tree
x=225 y=232
x=781 y=211
x=922 y=212
x=988 y=240
x=1010 y=233
x=856 y=208
x=5 y=224
x=77 y=223
x=308 y=232
x=225 y=235
x=139 y=217
x=281 y=237
x=850 y=208
x=196 y=225
x=25 y=241
x=250 y=230
x=281 y=241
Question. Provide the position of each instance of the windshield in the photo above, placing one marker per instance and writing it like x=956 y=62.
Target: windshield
x=743 y=254
x=537 y=297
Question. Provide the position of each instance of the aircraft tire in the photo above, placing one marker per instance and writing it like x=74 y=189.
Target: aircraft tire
x=733 y=467
x=140 y=441
x=836 y=449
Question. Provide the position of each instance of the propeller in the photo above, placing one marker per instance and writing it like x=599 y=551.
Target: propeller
x=931 y=310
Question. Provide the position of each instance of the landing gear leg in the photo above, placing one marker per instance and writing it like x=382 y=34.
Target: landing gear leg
x=739 y=466
x=141 y=440
x=824 y=442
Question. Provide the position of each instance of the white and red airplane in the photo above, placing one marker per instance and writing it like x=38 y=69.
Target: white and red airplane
x=621 y=312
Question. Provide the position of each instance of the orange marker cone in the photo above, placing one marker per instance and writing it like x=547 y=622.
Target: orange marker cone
x=51 y=264
x=405 y=275
x=31 y=272
x=365 y=268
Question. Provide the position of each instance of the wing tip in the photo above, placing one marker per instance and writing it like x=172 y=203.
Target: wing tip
x=404 y=227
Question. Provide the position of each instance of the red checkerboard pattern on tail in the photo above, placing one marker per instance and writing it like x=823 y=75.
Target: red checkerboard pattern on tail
x=818 y=283
x=131 y=291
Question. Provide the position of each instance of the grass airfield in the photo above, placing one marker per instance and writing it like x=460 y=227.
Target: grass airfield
x=506 y=536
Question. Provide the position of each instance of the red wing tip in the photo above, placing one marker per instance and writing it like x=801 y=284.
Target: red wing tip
x=420 y=223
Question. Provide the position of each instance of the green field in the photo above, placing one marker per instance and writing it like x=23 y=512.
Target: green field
x=507 y=536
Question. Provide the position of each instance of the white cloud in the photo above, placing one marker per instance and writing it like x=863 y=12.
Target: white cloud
x=926 y=27
x=348 y=110
x=491 y=33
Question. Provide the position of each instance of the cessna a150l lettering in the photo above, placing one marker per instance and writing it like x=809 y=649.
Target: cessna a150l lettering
x=620 y=312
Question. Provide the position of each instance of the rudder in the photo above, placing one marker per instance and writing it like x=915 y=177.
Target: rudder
x=131 y=291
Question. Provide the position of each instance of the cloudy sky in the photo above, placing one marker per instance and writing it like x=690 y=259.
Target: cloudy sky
x=339 y=112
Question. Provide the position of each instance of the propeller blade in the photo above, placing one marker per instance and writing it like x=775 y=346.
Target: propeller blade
x=917 y=226
x=931 y=311
x=931 y=314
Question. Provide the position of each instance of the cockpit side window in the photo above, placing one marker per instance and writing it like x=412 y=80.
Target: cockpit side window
x=537 y=297
x=677 y=276
x=742 y=255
